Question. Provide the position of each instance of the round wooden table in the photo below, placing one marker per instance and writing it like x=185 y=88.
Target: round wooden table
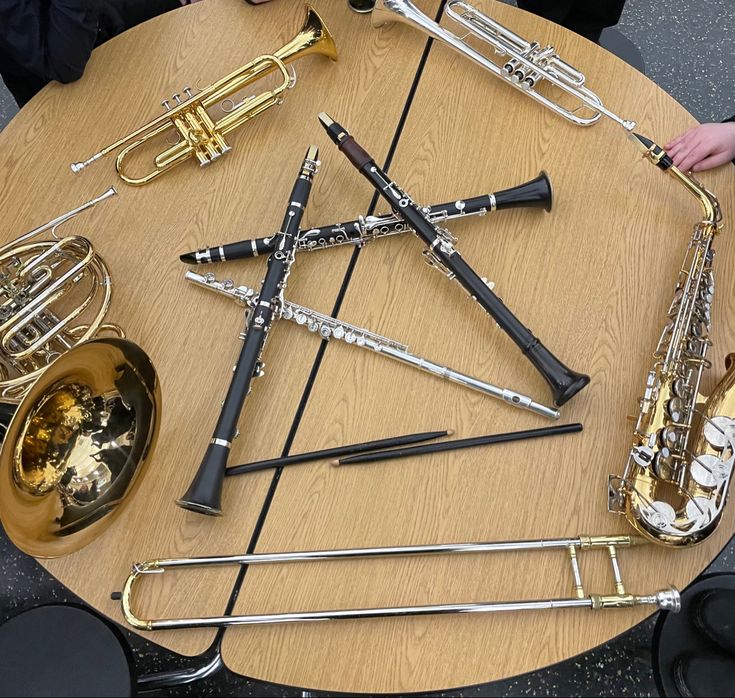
x=593 y=279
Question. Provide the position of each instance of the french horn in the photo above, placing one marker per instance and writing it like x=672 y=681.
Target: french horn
x=79 y=413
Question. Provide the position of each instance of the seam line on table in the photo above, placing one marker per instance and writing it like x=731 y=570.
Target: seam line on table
x=217 y=642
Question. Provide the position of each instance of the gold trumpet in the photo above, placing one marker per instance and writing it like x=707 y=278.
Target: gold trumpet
x=199 y=135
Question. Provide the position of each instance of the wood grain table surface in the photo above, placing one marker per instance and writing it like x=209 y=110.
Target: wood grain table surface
x=593 y=279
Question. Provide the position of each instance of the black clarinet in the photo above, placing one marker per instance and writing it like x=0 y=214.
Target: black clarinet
x=440 y=252
x=205 y=492
x=534 y=193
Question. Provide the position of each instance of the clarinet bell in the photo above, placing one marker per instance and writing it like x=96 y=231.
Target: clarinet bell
x=204 y=495
x=534 y=193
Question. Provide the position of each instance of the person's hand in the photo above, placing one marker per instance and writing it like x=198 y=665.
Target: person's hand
x=703 y=147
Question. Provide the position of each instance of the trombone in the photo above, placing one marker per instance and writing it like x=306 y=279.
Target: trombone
x=667 y=599
x=199 y=135
x=527 y=64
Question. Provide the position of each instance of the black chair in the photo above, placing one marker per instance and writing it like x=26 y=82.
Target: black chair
x=64 y=650
x=694 y=650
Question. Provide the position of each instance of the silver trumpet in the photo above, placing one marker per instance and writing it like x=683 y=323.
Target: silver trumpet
x=666 y=599
x=527 y=64
x=328 y=327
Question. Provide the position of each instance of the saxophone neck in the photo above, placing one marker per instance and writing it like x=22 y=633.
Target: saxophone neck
x=658 y=156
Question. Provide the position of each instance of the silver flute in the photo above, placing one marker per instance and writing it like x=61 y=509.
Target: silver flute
x=328 y=327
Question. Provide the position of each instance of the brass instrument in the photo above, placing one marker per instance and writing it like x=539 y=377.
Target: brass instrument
x=527 y=66
x=199 y=134
x=54 y=294
x=674 y=485
x=667 y=599
x=79 y=413
x=77 y=446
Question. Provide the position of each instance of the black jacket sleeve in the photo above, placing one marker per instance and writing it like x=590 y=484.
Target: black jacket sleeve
x=52 y=40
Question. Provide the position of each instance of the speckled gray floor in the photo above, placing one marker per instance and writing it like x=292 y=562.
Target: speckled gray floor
x=688 y=48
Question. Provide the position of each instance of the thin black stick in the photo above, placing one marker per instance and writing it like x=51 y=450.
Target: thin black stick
x=338 y=451
x=461 y=443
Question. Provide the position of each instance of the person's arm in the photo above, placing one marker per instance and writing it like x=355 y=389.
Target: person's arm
x=52 y=40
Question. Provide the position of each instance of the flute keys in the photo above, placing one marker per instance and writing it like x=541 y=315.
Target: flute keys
x=338 y=332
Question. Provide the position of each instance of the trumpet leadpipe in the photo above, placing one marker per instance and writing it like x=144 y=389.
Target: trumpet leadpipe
x=328 y=327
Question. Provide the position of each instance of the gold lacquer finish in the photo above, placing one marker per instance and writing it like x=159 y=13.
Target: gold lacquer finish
x=199 y=134
x=54 y=294
x=674 y=486
x=77 y=445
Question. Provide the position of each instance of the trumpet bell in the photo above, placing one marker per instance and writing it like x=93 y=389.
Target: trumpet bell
x=77 y=446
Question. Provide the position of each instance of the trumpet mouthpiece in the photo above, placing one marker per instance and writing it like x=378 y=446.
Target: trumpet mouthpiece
x=79 y=166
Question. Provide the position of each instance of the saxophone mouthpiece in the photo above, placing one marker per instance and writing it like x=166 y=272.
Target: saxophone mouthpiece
x=655 y=153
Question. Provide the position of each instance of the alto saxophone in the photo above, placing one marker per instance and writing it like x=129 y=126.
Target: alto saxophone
x=674 y=485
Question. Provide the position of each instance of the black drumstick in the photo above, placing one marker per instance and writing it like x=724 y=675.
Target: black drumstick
x=460 y=443
x=338 y=451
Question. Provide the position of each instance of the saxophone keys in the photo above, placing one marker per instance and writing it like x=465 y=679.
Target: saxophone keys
x=699 y=509
x=676 y=408
x=659 y=514
x=720 y=432
x=708 y=470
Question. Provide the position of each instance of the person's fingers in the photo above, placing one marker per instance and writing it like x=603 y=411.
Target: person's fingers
x=678 y=155
x=687 y=142
x=695 y=155
x=714 y=160
x=676 y=141
x=682 y=137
